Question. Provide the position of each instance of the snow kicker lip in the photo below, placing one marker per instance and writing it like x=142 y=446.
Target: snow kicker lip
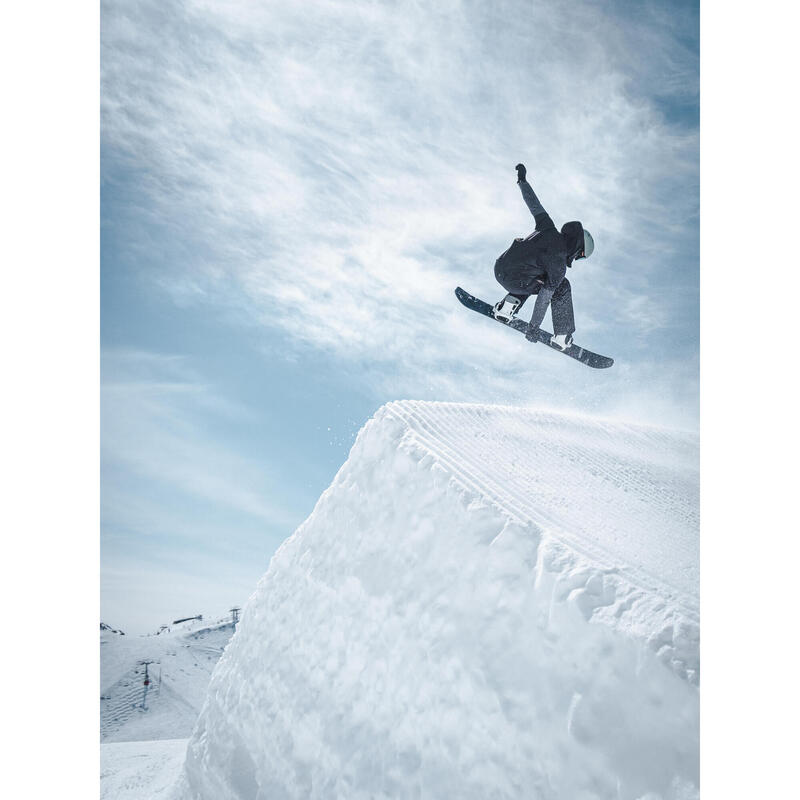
x=629 y=512
x=617 y=481
x=420 y=629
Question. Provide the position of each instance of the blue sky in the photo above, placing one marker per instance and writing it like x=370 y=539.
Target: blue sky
x=290 y=193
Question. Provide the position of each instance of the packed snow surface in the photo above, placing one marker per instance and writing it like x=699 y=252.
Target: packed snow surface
x=140 y=770
x=487 y=602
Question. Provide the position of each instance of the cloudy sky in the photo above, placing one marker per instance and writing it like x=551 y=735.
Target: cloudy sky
x=290 y=193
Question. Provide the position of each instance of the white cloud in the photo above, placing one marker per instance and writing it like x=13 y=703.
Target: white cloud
x=155 y=420
x=339 y=167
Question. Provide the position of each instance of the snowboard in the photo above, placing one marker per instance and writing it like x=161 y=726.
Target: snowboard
x=573 y=351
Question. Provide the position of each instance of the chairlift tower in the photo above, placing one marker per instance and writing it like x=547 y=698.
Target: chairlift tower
x=145 y=683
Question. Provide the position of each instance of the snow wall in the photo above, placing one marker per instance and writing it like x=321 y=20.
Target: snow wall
x=488 y=602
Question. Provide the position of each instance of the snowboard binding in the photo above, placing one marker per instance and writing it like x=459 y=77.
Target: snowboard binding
x=507 y=308
x=562 y=341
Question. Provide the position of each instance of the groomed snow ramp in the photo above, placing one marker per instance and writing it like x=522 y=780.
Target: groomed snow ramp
x=487 y=602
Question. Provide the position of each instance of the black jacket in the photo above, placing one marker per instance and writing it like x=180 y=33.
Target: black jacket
x=538 y=263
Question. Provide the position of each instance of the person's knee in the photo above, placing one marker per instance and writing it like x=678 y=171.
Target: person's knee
x=564 y=289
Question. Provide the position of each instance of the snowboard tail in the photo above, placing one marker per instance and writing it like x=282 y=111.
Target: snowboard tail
x=573 y=351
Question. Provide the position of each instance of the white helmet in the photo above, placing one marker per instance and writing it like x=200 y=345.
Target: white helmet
x=588 y=243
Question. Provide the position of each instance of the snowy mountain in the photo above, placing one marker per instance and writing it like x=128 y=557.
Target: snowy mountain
x=486 y=602
x=108 y=629
x=176 y=663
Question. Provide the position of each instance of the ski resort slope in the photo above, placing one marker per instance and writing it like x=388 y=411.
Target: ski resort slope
x=180 y=662
x=487 y=602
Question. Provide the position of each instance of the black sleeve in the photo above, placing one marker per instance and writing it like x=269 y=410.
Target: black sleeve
x=543 y=221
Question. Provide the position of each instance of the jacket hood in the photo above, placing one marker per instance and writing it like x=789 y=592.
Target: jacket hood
x=573 y=239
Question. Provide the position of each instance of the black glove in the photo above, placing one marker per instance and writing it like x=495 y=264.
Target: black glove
x=521 y=172
x=532 y=334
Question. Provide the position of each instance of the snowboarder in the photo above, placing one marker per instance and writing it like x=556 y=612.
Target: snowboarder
x=538 y=265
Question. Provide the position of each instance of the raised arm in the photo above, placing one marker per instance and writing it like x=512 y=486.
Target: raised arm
x=542 y=218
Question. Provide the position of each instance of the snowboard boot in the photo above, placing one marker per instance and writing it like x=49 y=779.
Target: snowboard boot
x=562 y=341
x=507 y=308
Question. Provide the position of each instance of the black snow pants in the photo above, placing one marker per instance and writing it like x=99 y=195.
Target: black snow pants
x=560 y=306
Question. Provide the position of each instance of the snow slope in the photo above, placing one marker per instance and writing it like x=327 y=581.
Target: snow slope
x=183 y=658
x=487 y=602
x=140 y=770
